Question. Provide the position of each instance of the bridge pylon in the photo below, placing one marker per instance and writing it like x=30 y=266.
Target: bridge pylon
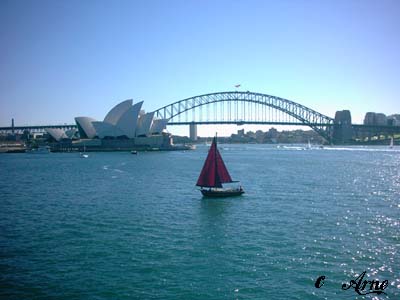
x=193 y=132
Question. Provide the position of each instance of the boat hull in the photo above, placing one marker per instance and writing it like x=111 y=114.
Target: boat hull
x=221 y=193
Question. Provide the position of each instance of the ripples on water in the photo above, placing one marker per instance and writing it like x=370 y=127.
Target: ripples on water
x=121 y=226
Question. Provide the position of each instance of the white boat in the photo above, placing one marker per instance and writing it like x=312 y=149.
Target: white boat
x=83 y=154
x=309 y=145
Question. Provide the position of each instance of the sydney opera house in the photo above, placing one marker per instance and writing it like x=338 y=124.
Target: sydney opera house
x=126 y=125
x=123 y=121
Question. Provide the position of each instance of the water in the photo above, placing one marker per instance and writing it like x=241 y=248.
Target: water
x=121 y=226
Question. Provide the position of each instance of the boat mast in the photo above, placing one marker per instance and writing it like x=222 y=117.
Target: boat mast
x=215 y=159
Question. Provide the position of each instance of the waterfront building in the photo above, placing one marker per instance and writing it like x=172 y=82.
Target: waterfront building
x=56 y=133
x=85 y=127
x=123 y=121
x=104 y=130
x=129 y=119
x=158 y=126
x=117 y=111
x=125 y=126
x=144 y=124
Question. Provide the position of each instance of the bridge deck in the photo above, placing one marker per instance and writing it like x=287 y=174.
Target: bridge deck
x=237 y=122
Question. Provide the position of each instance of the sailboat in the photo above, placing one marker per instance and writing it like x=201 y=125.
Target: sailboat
x=84 y=155
x=309 y=145
x=214 y=174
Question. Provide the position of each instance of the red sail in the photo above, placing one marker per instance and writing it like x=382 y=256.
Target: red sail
x=222 y=171
x=214 y=171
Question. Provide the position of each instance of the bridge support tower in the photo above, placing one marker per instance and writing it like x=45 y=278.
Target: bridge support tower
x=193 y=132
x=342 y=128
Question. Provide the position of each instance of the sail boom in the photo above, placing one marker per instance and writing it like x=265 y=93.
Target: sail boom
x=210 y=186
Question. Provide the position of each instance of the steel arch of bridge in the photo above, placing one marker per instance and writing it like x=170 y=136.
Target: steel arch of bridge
x=296 y=114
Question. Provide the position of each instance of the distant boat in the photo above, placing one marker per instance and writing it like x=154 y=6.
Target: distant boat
x=391 y=143
x=214 y=174
x=309 y=145
x=40 y=150
x=83 y=154
x=134 y=152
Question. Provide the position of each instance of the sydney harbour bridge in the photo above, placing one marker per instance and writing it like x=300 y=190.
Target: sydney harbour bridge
x=240 y=108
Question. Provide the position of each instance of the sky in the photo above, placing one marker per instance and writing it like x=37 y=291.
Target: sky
x=62 y=59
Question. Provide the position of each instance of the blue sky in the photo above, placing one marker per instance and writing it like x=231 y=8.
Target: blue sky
x=61 y=59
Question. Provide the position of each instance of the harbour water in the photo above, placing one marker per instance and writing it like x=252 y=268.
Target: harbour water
x=123 y=226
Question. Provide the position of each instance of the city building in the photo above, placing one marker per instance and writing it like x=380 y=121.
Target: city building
x=240 y=132
x=394 y=120
x=375 y=119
